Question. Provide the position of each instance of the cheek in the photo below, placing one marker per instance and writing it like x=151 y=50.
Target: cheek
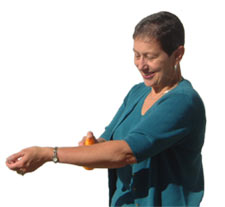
x=160 y=66
x=156 y=66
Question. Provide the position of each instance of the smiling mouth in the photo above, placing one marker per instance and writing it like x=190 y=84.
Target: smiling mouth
x=148 y=75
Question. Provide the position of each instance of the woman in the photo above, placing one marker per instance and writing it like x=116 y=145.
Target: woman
x=152 y=147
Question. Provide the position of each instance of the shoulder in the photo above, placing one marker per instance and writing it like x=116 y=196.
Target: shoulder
x=185 y=97
x=187 y=93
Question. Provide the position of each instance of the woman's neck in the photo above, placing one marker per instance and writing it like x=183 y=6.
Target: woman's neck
x=167 y=85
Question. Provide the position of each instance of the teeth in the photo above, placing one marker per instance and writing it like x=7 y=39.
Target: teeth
x=149 y=73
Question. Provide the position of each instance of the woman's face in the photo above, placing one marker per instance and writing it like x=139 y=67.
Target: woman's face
x=155 y=66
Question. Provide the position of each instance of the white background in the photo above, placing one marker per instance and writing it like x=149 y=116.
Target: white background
x=65 y=68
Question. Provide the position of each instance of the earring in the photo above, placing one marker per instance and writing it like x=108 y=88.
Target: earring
x=175 y=67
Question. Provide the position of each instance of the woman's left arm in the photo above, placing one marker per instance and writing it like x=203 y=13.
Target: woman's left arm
x=110 y=154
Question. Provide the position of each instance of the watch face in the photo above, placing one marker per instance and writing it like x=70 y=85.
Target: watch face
x=55 y=159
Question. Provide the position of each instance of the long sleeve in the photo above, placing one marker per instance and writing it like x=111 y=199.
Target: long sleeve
x=167 y=123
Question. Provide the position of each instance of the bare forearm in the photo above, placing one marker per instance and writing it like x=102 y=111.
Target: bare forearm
x=110 y=154
x=105 y=154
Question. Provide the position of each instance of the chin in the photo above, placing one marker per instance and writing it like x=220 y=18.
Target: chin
x=148 y=83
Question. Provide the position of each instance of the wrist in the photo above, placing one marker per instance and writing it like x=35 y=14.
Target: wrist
x=48 y=153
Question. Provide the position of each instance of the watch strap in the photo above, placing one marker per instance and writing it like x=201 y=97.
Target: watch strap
x=55 y=158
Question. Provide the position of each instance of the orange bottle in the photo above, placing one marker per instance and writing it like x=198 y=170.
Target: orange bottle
x=89 y=141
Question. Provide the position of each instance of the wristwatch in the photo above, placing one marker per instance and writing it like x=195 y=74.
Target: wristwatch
x=55 y=158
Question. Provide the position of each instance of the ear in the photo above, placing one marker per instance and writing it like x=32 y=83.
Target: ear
x=178 y=54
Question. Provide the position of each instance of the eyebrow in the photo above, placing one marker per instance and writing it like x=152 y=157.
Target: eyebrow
x=146 y=53
x=135 y=50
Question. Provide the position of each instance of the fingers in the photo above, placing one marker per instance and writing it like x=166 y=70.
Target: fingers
x=15 y=160
x=28 y=160
x=15 y=165
x=15 y=157
x=18 y=160
x=90 y=134
x=81 y=143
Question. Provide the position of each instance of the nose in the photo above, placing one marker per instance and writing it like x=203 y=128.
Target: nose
x=141 y=63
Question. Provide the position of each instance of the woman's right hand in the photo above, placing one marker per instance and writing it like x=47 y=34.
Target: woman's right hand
x=89 y=135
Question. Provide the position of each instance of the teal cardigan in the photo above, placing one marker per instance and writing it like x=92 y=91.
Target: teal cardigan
x=167 y=144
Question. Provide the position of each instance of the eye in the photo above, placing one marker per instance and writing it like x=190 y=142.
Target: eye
x=150 y=57
x=137 y=55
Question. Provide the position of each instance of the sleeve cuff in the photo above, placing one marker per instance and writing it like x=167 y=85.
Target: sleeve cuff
x=139 y=146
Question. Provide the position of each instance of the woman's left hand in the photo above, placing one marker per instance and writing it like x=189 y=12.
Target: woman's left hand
x=28 y=160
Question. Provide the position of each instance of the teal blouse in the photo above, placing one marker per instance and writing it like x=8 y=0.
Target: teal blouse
x=166 y=142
